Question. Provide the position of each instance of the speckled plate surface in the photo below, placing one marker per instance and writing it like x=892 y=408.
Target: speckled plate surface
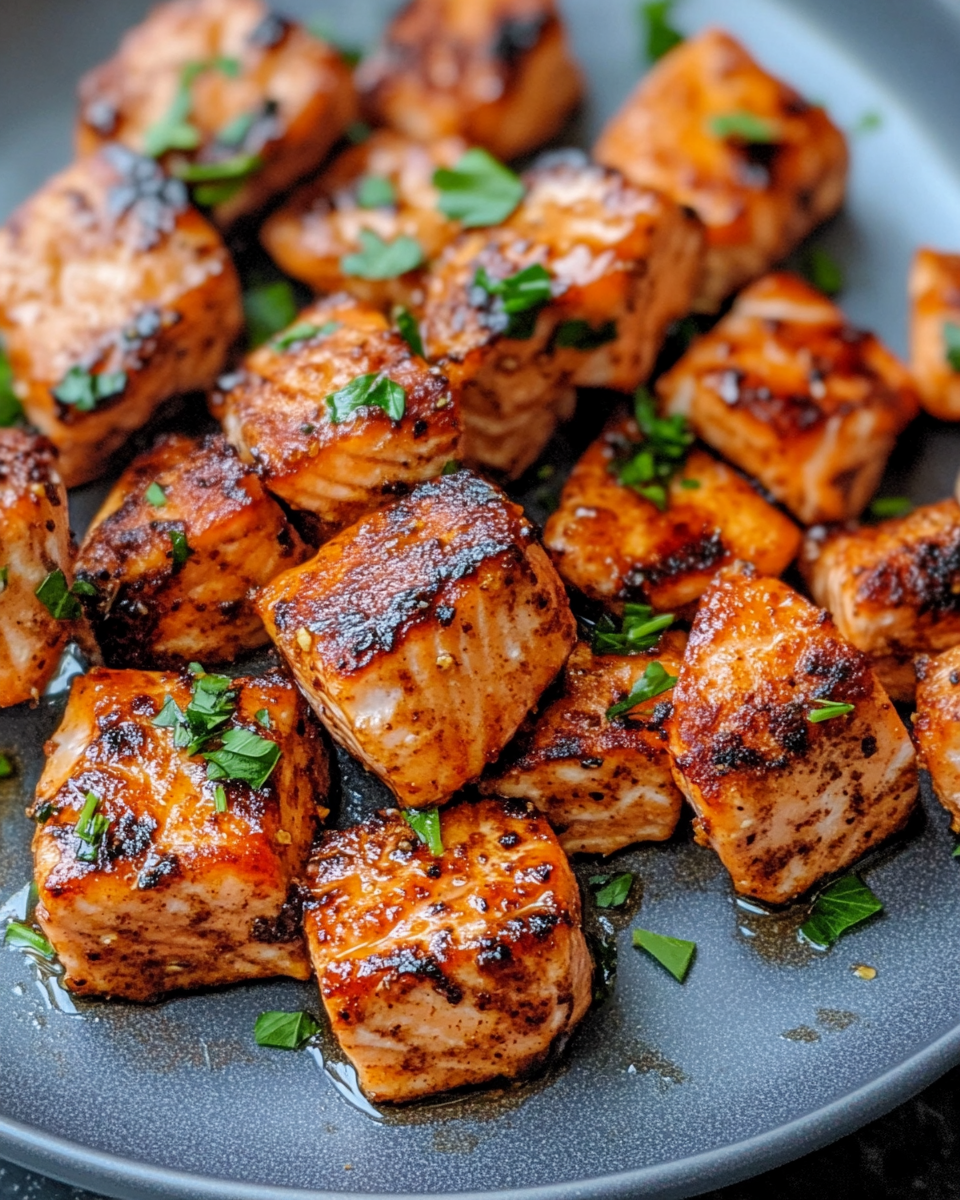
x=769 y=1049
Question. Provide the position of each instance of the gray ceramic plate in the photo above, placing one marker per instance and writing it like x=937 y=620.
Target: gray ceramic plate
x=768 y=1050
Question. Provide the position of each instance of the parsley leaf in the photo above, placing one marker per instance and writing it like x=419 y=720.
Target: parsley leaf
x=655 y=681
x=175 y=130
x=376 y=191
x=603 y=948
x=243 y=755
x=25 y=937
x=478 y=190
x=826 y=710
x=232 y=172
x=155 y=495
x=661 y=36
x=180 y=550
x=823 y=271
x=368 y=391
x=219 y=799
x=581 y=335
x=425 y=823
x=262 y=717
x=303 y=331
x=11 y=410
x=285 y=1031
x=838 y=908
x=676 y=954
x=268 y=308
x=90 y=828
x=951 y=342
x=640 y=630
x=409 y=330
x=868 y=122
x=519 y=297
x=890 y=506
x=6 y=766
x=378 y=259
x=84 y=391
x=659 y=456
x=211 y=705
x=612 y=891
x=58 y=599
x=744 y=127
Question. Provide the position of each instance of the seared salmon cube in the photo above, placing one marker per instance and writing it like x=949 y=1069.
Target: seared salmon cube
x=442 y=970
x=383 y=187
x=936 y=726
x=784 y=740
x=158 y=871
x=603 y=782
x=115 y=294
x=792 y=394
x=935 y=331
x=496 y=72
x=425 y=633
x=617 y=544
x=36 y=555
x=236 y=100
x=756 y=162
x=578 y=286
x=177 y=553
x=338 y=414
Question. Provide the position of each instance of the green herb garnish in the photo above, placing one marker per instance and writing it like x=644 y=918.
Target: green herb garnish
x=660 y=34
x=823 y=271
x=676 y=954
x=6 y=766
x=90 y=828
x=212 y=703
x=520 y=296
x=868 y=121
x=368 y=391
x=838 y=908
x=826 y=710
x=357 y=132
x=478 y=190
x=236 y=131
x=219 y=799
x=581 y=335
x=659 y=456
x=640 y=630
x=654 y=682
x=744 y=127
x=285 y=1031
x=425 y=823
x=951 y=342
x=180 y=550
x=269 y=308
x=243 y=755
x=378 y=259
x=262 y=717
x=690 y=485
x=11 y=410
x=451 y=467
x=376 y=191
x=58 y=599
x=612 y=891
x=409 y=330
x=155 y=495
x=175 y=130
x=303 y=331
x=25 y=937
x=216 y=182
x=890 y=506
x=83 y=391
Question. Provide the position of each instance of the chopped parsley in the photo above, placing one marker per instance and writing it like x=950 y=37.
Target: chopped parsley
x=838 y=908
x=826 y=710
x=868 y=122
x=216 y=182
x=285 y=1031
x=90 y=828
x=450 y=467
x=655 y=680
x=25 y=937
x=603 y=948
x=155 y=495
x=676 y=954
x=478 y=190
x=612 y=891
x=659 y=456
x=84 y=391
x=83 y=587
x=368 y=391
x=303 y=331
x=11 y=410
x=823 y=271
x=640 y=630
x=180 y=550
x=262 y=717
x=744 y=127
x=236 y=131
x=6 y=766
x=219 y=799
x=890 y=506
x=409 y=330
x=357 y=132
x=243 y=755
x=660 y=34
x=175 y=130
x=951 y=343
x=4 y=578
x=581 y=335
x=376 y=191
x=691 y=485
x=377 y=259
x=519 y=297
x=268 y=308
x=58 y=599
x=425 y=823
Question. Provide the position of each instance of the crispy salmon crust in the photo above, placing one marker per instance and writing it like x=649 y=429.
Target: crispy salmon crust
x=757 y=198
x=934 y=289
x=936 y=726
x=425 y=633
x=439 y=972
x=783 y=800
x=175 y=895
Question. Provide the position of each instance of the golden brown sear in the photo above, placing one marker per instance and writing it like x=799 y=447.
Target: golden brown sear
x=34 y=543
x=792 y=394
x=383 y=186
x=177 y=553
x=149 y=887
x=290 y=413
x=935 y=331
x=496 y=72
x=782 y=798
x=616 y=546
x=439 y=972
x=936 y=726
x=617 y=265
x=115 y=294
x=756 y=162
x=602 y=782
x=425 y=633
x=235 y=99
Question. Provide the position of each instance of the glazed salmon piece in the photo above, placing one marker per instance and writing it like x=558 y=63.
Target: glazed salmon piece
x=339 y=461
x=756 y=162
x=439 y=972
x=617 y=546
x=34 y=544
x=384 y=186
x=792 y=394
x=614 y=265
x=237 y=100
x=498 y=73
x=784 y=800
x=176 y=554
x=149 y=887
x=603 y=783
x=425 y=633
x=935 y=331
x=114 y=295
x=936 y=726
x=893 y=588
